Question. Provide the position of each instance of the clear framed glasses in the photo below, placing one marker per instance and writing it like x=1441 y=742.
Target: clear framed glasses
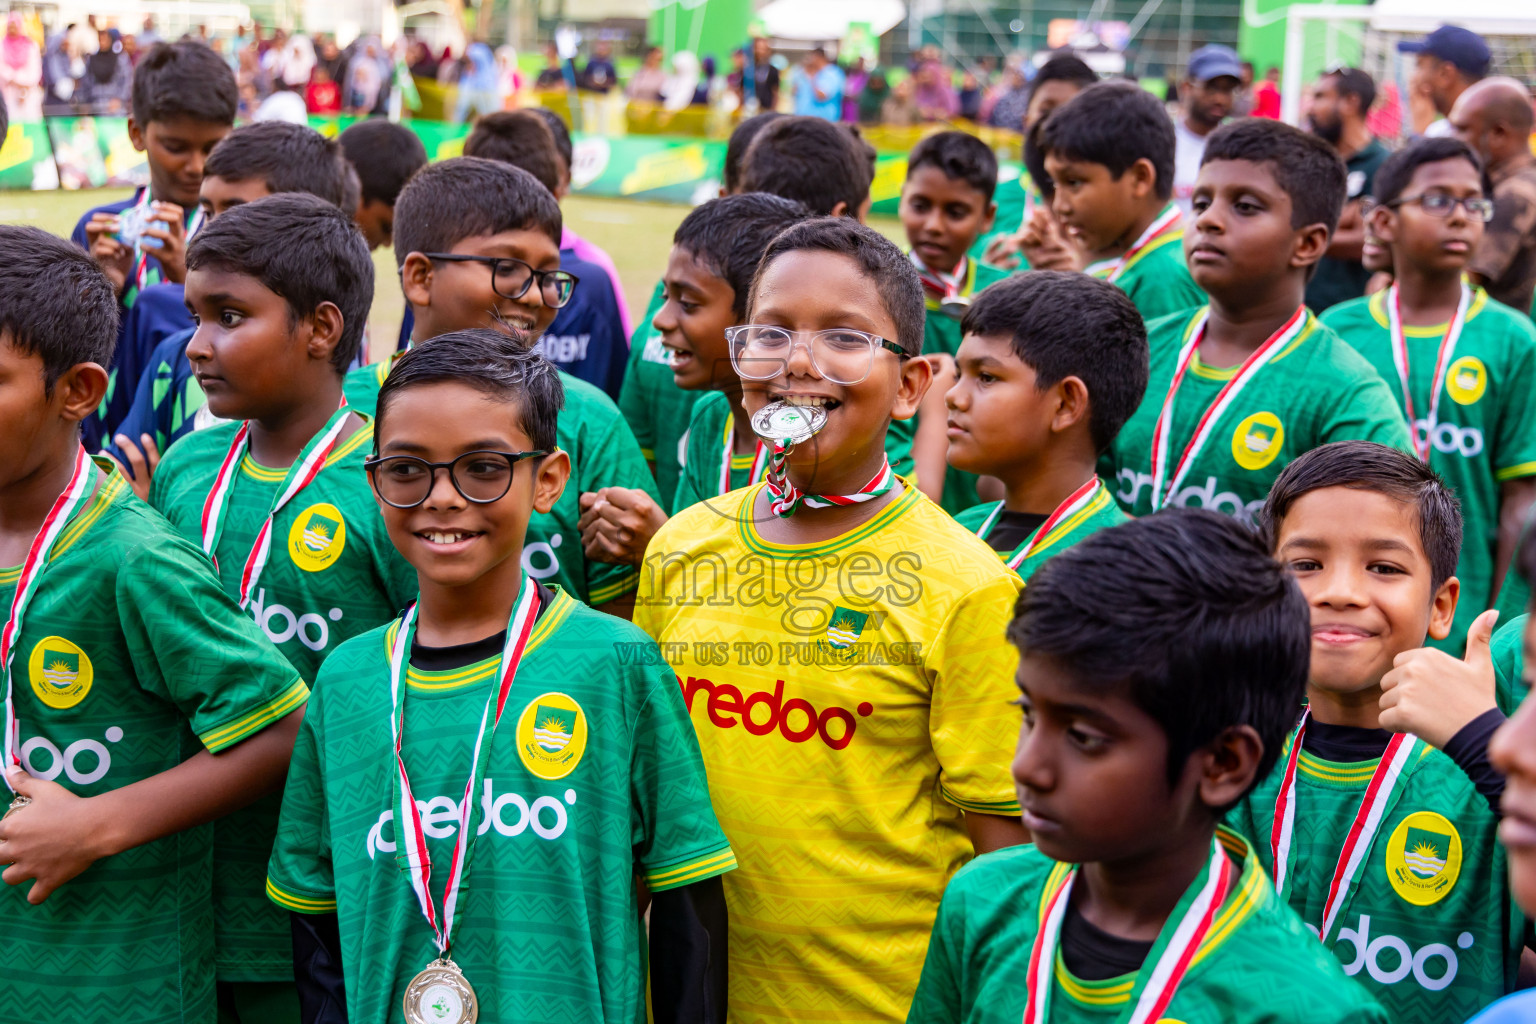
x=481 y=477
x=511 y=278
x=842 y=355
x=1439 y=204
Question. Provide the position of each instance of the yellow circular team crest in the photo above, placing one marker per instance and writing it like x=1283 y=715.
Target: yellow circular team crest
x=1257 y=440
x=60 y=671
x=317 y=537
x=1424 y=858
x=552 y=735
x=1466 y=380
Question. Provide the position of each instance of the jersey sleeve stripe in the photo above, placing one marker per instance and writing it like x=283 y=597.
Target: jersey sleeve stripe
x=299 y=904
x=696 y=870
x=628 y=583
x=1515 y=472
x=227 y=735
x=1010 y=807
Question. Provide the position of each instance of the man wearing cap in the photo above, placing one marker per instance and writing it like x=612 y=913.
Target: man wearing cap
x=1340 y=101
x=1494 y=117
x=1210 y=88
x=1450 y=59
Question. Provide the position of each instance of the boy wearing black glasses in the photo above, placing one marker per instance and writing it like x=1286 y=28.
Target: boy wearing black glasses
x=478 y=245
x=278 y=500
x=562 y=724
x=1463 y=367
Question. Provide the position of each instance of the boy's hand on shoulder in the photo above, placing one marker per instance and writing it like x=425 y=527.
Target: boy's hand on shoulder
x=50 y=840
x=1003 y=251
x=1433 y=695
x=1046 y=246
x=115 y=258
x=172 y=250
x=617 y=523
x=141 y=462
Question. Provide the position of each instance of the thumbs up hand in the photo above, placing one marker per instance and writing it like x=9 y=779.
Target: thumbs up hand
x=1433 y=695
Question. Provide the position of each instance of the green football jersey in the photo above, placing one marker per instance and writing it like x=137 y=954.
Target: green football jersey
x=131 y=658
x=603 y=454
x=610 y=786
x=1427 y=924
x=655 y=408
x=1100 y=514
x=1257 y=964
x=1157 y=279
x=1016 y=199
x=1486 y=429
x=704 y=445
x=1315 y=390
x=1509 y=663
x=332 y=574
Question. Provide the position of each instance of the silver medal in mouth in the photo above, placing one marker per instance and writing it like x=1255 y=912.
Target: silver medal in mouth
x=782 y=423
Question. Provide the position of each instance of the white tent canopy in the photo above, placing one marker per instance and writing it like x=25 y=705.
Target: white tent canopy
x=820 y=20
x=1488 y=17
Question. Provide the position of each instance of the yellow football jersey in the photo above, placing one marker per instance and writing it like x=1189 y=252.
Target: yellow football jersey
x=852 y=698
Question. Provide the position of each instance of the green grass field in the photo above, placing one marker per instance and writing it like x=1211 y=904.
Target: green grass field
x=637 y=235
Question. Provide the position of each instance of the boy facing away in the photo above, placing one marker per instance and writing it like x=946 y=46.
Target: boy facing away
x=1242 y=386
x=1160 y=665
x=1463 y=368
x=140 y=704
x=839 y=642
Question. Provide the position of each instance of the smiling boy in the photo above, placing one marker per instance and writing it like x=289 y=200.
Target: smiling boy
x=1242 y=386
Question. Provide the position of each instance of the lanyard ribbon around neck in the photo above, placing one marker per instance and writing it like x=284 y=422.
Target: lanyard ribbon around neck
x=759 y=459
x=74 y=496
x=1166 y=221
x=946 y=286
x=1076 y=502
x=1443 y=359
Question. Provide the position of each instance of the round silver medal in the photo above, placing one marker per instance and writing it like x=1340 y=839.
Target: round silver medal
x=788 y=424
x=955 y=306
x=440 y=994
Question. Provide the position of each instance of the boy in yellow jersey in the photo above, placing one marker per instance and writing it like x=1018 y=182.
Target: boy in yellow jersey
x=1051 y=365
x=839 y=642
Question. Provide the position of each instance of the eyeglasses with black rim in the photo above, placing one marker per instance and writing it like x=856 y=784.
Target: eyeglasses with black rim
x=511 y=278
x=480 y=477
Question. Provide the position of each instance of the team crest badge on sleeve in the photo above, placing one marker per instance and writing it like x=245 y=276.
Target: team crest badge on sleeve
x=1467 y=380
x=1257 y=440
x=552 y=736
x=1424 y=858
x=317 y=537
x=60 y=672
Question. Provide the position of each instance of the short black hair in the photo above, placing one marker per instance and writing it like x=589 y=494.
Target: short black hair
x=1188 y=612
x=1368 y=466
x=729 y=235
x=1064 y=67
x=322 y=258
x=183 y=80
x=384 y=155
x=520 y=138
x=1071 y=325
x=1356 y=83
x=1396 y=171
x=740 y=142
x=560 y=131
x=1114 y=124
x=492 y=363
x=466 y=197
x=288 y=157
x=810 y=160
x=959 y=156
x=1034 y=163
x=1305 y=167
x=895 y=278
x=55 y=302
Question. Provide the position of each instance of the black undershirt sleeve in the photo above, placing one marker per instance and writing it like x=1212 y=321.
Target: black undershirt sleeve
x=1469 y=749
x=688 y=954
x=317 y=968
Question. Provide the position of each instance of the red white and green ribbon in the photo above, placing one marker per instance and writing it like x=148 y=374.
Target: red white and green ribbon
x=759 y=459
x=1362 y=832
x=1171 y=964
x=1075 y=503
x=1166 y=221
x=408 y=824
x=303 y=471
x=1165 y=486
x=75 y=494
x=785 y=498
x=1442 y=364
x=947 y=286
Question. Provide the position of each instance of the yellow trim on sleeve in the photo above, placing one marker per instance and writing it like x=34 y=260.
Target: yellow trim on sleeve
x=979 y=806
x=717 y=863
x=1176 y=235
x=626 y=584
x=113 y=489
x=298 y=904
x=228 y=735
x=1515 y=472
x=351 y=444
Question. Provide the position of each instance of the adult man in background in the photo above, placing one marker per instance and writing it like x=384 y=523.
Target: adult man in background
x=1340 y=101
x=818 y=85
x=1209 y=92
x=1494 y=117
x=1450 y=60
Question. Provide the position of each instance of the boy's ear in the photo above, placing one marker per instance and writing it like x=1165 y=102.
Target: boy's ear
x=79 y=390
x=1228 y=764
x=136 y=134
x=1071 y=403
x=840 y=210
x=1443 y=608
x=1143 y=178
x=1382 y=222
x=416 y=279
x=549 y=481
x=326 y=325
x=916 y=378
x=989 y=220
x=1310 y=245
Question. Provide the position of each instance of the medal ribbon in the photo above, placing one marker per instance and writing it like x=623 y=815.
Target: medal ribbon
x=141 y=258
x=1166 y=221
x=759 y=460
x=1171 y=964
x=1442 y=364
x=946 y=286
x=407 y=815
x=785 y=497
x=75 y=495
x=304 y=470
x=1076 y=501
x=1224 y=398
x=1357 y=844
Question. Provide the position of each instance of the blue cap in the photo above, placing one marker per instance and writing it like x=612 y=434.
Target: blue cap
x=1213 y=61
x=1459 y=46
